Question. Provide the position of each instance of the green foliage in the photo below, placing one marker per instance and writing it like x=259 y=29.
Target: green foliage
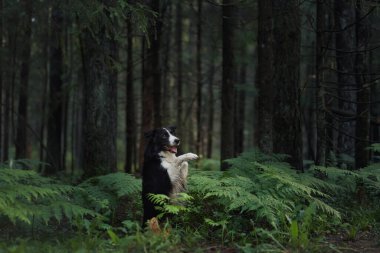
x=260 y=205
x=375 y=147
x=166 y=205
x=115 y=197
x=209 y=164
x=94 y=15
x=103 y=192
x=26 y=196
x=262 y=187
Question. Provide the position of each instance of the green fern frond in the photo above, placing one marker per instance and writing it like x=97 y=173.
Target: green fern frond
x=25 y=195
x=103 y=192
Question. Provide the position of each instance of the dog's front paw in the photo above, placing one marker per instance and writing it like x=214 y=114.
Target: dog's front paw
x=191 y=156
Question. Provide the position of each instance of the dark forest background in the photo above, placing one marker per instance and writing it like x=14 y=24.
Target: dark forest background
x=243 y=81
x=80 y=78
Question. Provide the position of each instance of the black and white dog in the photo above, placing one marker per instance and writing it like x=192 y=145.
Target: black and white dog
x=163 y=172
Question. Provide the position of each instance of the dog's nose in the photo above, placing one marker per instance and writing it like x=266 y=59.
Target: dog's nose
x=176 y=141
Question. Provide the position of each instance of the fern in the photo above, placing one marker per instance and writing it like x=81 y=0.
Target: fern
x=166 y=205
x=263 y=187
x=25 y=195
x=102 y=193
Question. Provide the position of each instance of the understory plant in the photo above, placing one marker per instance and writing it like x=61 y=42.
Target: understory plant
x=26 y=196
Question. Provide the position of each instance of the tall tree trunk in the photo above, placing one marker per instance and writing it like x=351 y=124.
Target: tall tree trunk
x=240 y=109
x=8 y=110
x=344 y=42
x=146 y=113
x=166 y=91
x=264 y=76
x=45 y=88
x=375 y=107
x=153 y=66
x=151 y=88
x=210 y=92
x=179 y=64
x=228 y=83
x=100 y=104
x=199 y=78
x=287 y=117
x=130 y=105
x=22 y=117
x=66 y=90
x=1 y=80
x=320 y=91
x=363 y=95
x=55 y=108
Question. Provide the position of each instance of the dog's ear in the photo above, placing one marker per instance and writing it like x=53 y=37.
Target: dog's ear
x=172 y=129
x=148 y=135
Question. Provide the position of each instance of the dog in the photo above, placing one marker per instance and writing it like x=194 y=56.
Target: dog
x=163 y=172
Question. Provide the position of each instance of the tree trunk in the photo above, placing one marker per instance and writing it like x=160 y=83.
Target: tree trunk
x=166 y=91
x=287 y=117
x=151 y=88
x=228 y=83
x=55 y=108
x=1 y=80
x=9 y=86
x=179 y=64
x=130 y=104
x=210 y=92
x=22 y=116
x=199 y=78
x=44 y=91
x=320 y=91
x=375 y=107
x=345 y=41
x=264 y=77
x=100 y=105
x=363 y=96
x=152 y=78
x=240 y=109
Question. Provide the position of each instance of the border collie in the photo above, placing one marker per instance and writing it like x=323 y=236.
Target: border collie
x=163 y=172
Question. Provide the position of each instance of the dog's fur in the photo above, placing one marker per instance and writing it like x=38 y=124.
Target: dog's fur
x=163 y=172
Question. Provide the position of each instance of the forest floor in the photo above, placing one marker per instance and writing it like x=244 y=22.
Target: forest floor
x=365 y=242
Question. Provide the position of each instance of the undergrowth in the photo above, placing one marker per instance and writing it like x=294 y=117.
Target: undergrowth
x=260 y=205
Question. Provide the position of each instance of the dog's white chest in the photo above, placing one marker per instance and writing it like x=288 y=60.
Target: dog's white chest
x=169 y=163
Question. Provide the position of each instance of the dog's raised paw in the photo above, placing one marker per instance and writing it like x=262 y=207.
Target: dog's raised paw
x=191 y=156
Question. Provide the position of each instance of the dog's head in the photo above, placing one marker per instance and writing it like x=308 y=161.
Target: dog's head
x=163 y=139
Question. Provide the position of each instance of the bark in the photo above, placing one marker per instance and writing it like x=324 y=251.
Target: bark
x=210 y=92
x=55 y=108
x=287 y=137
x=151 y=88
x=67 y=69
x=147 y=121
x=21 y=142
x=265 y=73
x=1 y=80
x=240 y=110
x=166 y=91
x=8 y=119
x=153 y=68
x=363 y=96
x=345 y=41
x=100 y=107
x=44 y=91
x=179 y=64
x=320 y=91
x=130 y=105
x=199 y=78
x=375 y=108
x=228 y=83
